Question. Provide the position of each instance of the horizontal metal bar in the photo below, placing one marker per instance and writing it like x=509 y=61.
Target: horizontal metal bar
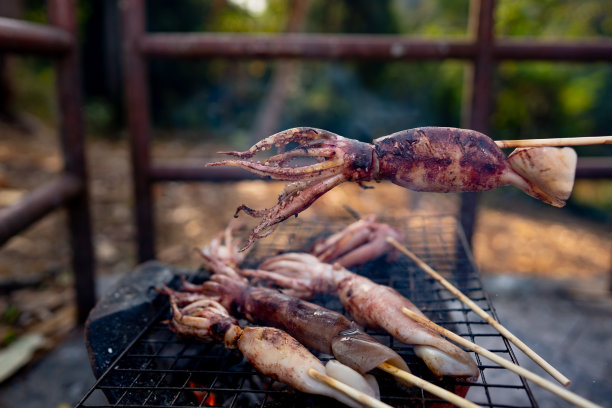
x=594 y=168
x=199 y=173
x=584 y=50
x=25 y=37
x=295 y=45
x=170 y=388
x=38 y=203
x=182 y=370
x=588 y=167
x=360 y=46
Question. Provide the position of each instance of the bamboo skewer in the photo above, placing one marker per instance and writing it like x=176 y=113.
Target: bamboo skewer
x=347 y=390
x=542 y=382
x=555 y=142
x=484 y=315
x=427 y=386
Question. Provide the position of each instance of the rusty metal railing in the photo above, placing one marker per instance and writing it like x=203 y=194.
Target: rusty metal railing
x=482 y=49
x=69 y=189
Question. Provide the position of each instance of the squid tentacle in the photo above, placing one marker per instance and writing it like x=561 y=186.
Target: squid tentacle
x=317 y=153
x=280 y=173
x=287 y=283
x=298 y=135
x=288 y=206
x=358 y=243
x=252 y=212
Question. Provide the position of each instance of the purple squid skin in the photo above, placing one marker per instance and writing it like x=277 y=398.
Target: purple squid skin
x=440 y=159
x=316 y=327
x=430 y=159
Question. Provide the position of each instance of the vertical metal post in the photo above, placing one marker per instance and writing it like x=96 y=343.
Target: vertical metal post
x=139 y=124
x=62 y=13
x=478 y=93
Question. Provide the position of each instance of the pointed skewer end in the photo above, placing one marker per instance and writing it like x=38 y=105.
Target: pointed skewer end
x=349 y=391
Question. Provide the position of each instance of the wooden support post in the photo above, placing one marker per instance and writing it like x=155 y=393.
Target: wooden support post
x=477 y=93
x=62 y=13
x=139 y=123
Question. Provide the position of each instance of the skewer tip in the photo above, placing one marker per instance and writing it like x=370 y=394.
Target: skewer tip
x=433 y=389
x=347 y=390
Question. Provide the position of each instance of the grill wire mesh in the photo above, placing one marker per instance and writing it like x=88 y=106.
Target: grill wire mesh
x=158 y=369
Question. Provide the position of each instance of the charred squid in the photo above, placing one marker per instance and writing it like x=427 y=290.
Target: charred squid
x=314 y=326
x=372 y=305
x=437 y=159
x=271 y=351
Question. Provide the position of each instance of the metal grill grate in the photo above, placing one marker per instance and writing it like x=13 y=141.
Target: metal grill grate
x=160 y=370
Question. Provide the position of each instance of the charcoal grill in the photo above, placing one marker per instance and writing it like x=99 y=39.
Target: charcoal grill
x=139 y=362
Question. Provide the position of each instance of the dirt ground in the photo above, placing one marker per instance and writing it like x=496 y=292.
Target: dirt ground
x=514 y=234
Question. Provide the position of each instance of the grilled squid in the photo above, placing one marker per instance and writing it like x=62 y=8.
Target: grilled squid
x=358 y=243
x=314 y=326
x=370 y=304
x=224 y=246
x=438 y=159
x=270 y=351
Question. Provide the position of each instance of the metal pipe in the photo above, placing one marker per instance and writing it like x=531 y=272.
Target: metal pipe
x=584 y=50
x=177 y=172
x=587 y=167
x=299 y=45
x=62 y=13
x=363 y=47
x=36 y=204
x=139 y=124
x=478 y=94
x=594 y=168
x=25 y=37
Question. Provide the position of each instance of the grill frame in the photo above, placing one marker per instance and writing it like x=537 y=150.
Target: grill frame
x=437 y=239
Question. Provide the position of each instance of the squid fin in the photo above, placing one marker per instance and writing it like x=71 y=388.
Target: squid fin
x=549 y=172
x=365 y=383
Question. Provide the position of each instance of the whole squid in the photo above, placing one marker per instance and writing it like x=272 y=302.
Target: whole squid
x=314 y=326
x=437 y=159
x=271 y=351
x=370 y=304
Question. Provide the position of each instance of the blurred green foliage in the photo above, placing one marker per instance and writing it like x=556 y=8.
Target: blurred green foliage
x=35 y=88
x=537 y=99
x=357 y=99
x=368 y=99
x=553 y=18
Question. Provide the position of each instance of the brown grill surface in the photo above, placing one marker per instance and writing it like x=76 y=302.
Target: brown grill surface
x=157 y=369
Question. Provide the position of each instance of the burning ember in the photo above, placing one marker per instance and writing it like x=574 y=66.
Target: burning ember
x=204 y=398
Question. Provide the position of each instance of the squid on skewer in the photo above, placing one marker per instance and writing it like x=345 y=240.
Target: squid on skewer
x=314 y=326
x=370 y=304
x=271 y=351
x=438 y=159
